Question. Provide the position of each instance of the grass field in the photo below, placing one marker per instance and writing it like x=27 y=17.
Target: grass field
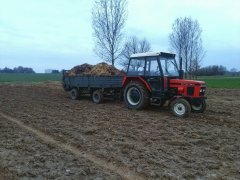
x=212 y=81
x=28 y=78
x=221 y=81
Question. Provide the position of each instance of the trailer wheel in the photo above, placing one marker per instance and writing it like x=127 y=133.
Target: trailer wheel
x=200 y=108
x=65 y=87
x=74 y=94
x=97 y=96
x=180 y=107
x=136 y=96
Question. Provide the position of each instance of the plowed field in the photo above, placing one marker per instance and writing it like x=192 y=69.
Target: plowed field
x=45 y=135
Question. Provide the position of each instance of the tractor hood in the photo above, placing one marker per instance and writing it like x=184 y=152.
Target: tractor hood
x=186 y=82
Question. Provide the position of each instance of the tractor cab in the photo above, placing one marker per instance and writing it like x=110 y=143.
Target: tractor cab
x=155 y=68
x=154 y=78
x=152 y=65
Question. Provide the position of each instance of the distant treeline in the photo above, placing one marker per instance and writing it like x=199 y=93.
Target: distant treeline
x=54 y=71
x=216 y=70
x=212 y=70
x=18 y=69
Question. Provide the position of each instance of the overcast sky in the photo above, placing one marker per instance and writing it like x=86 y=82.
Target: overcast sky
x=57 y=34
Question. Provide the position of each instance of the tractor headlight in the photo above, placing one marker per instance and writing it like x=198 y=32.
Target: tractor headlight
x=202 y=91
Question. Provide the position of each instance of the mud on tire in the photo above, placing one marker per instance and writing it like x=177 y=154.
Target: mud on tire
x=180 y=107
x=74 y=94
x=97 y=96
x=200 y=108
x=136 y=96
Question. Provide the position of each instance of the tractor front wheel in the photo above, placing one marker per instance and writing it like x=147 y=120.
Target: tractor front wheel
x=180 y=107
x=199 y=108
x=136 y=96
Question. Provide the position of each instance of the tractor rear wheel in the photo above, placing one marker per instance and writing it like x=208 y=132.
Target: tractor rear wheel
x=200 y=108
x=180 y=107
x=74 y=94
x=97 y=96
x=136 y=96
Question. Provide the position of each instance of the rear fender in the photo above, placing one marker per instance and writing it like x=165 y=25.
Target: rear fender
x=126 y=80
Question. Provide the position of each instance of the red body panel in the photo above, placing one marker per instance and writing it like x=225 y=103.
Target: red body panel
x=184 y=81
x=126 y=80
x=182 y=85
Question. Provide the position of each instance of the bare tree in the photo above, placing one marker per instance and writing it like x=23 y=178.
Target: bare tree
x=134 y=45
x=185 y=40
x=197 y=56
x=144 y=45
x=108 y=19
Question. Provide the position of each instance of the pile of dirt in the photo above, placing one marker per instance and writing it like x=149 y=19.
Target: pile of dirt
x=80 y=69
x=104 y=69
x=96 y=70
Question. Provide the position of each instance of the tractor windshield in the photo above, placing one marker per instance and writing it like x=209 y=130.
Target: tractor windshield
x=151 y=66
x=144 y=66
x=169 y=67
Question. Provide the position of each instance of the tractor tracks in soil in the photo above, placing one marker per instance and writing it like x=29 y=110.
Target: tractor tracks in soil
x=123 y=171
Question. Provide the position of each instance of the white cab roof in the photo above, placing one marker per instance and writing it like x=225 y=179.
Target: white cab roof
x=147 y=54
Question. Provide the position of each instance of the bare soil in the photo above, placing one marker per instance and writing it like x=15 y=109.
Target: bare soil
x=45 y=135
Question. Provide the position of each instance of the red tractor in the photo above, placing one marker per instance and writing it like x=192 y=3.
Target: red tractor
x=152 y=78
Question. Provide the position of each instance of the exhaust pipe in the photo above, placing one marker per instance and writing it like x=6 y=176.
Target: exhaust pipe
x=181 y=72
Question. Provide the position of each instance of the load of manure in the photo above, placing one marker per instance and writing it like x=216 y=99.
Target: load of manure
x=101 y=69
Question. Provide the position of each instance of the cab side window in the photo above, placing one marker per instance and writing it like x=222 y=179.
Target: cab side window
x=152 y=67
x=136 y=67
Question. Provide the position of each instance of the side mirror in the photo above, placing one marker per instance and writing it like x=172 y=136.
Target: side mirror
x=181 y=72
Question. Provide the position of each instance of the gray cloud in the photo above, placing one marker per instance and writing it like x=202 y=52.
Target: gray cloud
x=57 y=33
